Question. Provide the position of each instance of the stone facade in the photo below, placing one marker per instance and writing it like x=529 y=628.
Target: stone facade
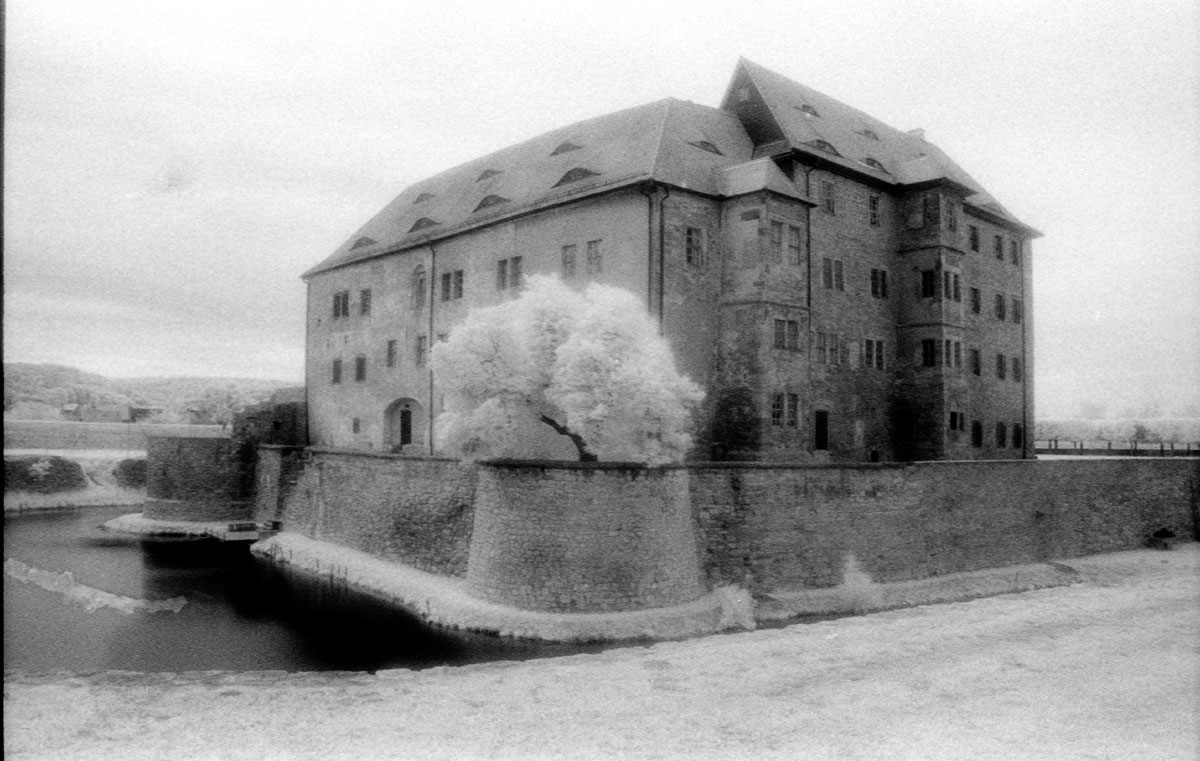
x=582 y=538
x=842 y=291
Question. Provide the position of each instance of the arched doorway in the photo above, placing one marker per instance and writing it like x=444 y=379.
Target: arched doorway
x=404 y=427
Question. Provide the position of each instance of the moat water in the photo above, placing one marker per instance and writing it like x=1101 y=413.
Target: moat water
x=184 y=606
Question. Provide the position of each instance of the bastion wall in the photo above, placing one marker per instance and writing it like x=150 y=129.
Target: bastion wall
x=570 y=537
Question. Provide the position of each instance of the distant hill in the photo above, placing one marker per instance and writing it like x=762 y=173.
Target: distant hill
x=52 y=392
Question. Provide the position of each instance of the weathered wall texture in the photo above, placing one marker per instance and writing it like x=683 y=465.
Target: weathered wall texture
x=583 y=539
x=182 y=468
x=415 y=510
x=783 y=527
x=564 y=537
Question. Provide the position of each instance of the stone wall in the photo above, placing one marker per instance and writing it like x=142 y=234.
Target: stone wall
x=185 y=467
x=415 y=510
x=784 y=527
x=583 y=538
x=570 y=537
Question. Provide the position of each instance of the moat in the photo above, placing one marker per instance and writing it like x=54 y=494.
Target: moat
x=201 y=605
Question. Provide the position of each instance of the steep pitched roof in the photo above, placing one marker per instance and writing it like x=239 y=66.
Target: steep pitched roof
x=671 y=141
x=783 y=116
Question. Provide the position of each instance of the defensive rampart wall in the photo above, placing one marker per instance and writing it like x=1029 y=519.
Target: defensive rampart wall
x=567 y=537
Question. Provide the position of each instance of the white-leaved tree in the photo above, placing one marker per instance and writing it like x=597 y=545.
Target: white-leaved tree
x=589 y=365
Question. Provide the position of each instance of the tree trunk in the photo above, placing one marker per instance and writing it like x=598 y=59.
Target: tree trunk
x=576 y=439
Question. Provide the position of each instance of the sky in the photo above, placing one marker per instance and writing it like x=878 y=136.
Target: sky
x=170 y=168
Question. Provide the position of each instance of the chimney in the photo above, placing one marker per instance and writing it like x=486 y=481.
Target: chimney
x=919 y=132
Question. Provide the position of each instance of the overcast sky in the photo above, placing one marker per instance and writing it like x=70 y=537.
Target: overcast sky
x=171 y=168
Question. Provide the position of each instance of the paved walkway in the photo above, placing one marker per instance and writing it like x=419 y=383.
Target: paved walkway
x=1105 y=669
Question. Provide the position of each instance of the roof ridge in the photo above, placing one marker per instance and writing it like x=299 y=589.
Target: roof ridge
x=660 y=143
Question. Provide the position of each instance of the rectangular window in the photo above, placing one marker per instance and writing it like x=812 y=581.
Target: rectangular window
x=1017 y=374
x=957 y=279
x=1001 y=435
x=1018 y=436
x=447 y=285
x=502 y=275
x=458 y=284
x=1014 y=250
x=947 y=284
x=420 y=288
x=822 y=348
x=827 y=272
x=829 y=196
x=976 y=362
x=821 y=430
x=1001 y=367
x=777 y=409
x=879 y=284
x=516 y=277
x=974 y=235
x=998 y=247
x=873 y=211
x=595 y=263
x=976 y=300
x=364 y=301
x=977 y=434
x=422 y=350
x=948 y=352
x=787 y=334
x=360 y=368
x=793 y=410
x=951 y=217
x=839 y=280
x=1018 y=311
x=929 y=352
x=695 y=246
x=958 y=355
x=391 y=353
x=928 y=284
x=775 y=242
x=795 y=245
x=1000 y=306
x=873 y=353
x=341 y=304
x=336 y=376
x=954 y=420
x=568 y=261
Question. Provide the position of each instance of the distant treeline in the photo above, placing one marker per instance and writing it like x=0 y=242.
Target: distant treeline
x=1166 y=430
x=58 y=392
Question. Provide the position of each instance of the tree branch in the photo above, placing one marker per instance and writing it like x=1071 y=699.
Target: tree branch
x=576 y=439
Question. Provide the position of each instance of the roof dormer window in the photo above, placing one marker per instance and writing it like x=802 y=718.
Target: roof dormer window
x=575 y=175
x=486 y=174
x=874 y=164
x=564 y=148
x=705 y=145
x=363 y=242
x=490 y=200
x=423 y=198
x=808 y=110
x=422 y=223
x=868 y=133
x=823 y=145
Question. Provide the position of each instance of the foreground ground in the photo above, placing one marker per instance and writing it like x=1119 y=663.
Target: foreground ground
x=1108 y=668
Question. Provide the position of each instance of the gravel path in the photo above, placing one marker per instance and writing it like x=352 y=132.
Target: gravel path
x=1105 y=669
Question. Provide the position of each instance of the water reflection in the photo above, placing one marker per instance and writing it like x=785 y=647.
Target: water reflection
x=240 y=612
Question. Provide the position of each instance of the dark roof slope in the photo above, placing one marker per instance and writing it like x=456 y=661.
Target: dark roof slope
x=671 y=141
x=799 y=118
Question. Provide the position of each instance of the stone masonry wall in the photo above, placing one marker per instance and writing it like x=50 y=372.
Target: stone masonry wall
x=783 y=527
x=191 y=468
x=583 y=539
x=571 y=537
x=416 y=510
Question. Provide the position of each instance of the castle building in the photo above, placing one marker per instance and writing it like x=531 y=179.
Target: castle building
x=842 y=290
